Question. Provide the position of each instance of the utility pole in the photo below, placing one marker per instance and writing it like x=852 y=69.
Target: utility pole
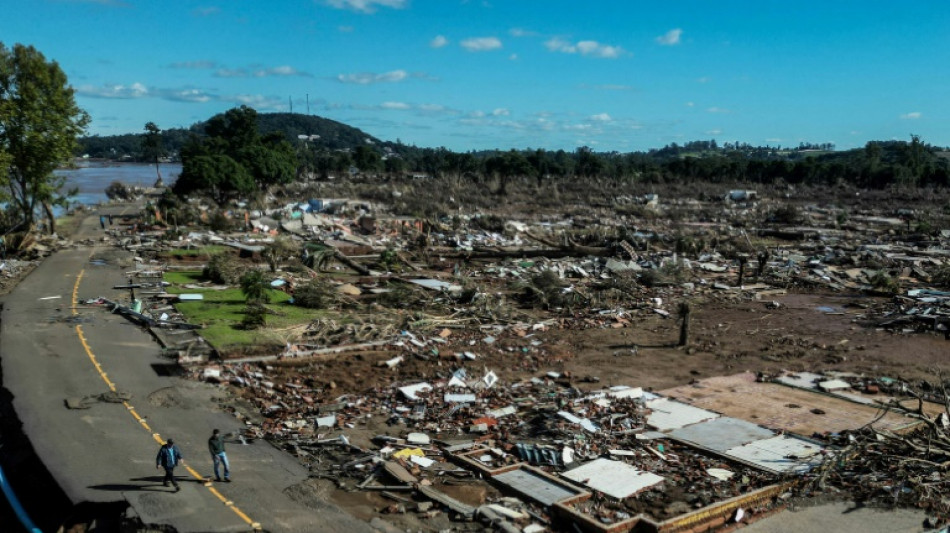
x=308 y=103
x=291 y=100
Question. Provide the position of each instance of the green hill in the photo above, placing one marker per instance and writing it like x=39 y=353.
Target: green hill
x=321 y=133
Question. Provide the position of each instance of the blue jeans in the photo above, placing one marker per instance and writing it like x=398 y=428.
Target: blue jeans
x=221 y=458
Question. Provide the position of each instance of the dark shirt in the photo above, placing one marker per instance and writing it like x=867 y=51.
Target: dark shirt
x=168 y=456
x=216 y=444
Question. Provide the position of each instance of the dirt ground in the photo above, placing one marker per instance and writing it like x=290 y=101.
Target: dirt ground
x=814 y=332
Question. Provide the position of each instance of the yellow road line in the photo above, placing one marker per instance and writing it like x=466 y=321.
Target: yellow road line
x=85 y=344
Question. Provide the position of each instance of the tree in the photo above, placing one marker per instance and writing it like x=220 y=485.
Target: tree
x=218 y=175
x=367 y=159
x=234 y=159
x=254 y=287
x=39 y=126
x=153 y=148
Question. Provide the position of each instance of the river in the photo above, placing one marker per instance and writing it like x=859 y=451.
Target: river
x=92 y=178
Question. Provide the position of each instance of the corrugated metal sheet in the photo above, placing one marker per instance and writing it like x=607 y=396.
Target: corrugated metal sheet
x=536 y=487
x=723 y=433
x=459 y=398
x=802 y=380
x=780 y=454
x=668 y=414
x=614 y=478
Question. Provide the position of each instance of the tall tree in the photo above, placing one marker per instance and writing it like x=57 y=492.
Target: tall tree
x=39 y=125
x=153 y=148
x=235 y=158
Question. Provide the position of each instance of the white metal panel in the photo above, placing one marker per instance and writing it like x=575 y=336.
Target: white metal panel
x=614 y=478
x=669 y=414
x=780 y=454
x=802 y=380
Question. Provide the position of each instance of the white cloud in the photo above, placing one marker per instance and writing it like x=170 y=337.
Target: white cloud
x=718 y=110
x=432 y=108
x=714 y=132
x=913 y=115
x=257 y=101
x=600 y=117
x=201 y=64
x=438 y=41
x=500 y=112
x=231 y=73
x=365 y=6
x=671 y=37
x=366 y=78
x=586 y=48
x=513 y=57
x=704 y=79
x=773 y=140
x=521 y=32
x=690 y=104
x=481 y=44
x=283 y=70
x=345 y=29
x=400 y=106
x=115 y=91
x=186 y=95
x=476 y=114
x=138 y=90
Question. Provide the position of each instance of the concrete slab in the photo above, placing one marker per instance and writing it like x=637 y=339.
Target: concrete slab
x=723 y=433
x=782 y=454
x=669 y=414
x=536 y=487
x=801 y=411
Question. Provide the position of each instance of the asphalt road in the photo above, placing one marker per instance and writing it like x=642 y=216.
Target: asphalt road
x=52 y=349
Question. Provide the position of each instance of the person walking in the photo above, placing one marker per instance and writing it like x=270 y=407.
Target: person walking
x=216 y=448
x=169 y=456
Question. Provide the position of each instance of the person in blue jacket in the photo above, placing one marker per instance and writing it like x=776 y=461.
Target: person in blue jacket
x=169 y=456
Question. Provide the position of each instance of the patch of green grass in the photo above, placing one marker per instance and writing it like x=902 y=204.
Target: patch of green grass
x=181 y=278
x=221 y=312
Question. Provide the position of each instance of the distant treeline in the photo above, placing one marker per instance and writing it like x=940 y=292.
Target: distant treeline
x=326 y=148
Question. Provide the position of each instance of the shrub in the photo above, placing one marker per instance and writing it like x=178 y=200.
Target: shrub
x=883 y=282
x=315 y=294
x=118 y=191
x=255 y=316
x=224 y=268
x=546 y=290
x=786 y=214
x=220 y=222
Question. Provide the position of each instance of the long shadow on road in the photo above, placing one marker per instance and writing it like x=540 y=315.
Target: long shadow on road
x=148 y=484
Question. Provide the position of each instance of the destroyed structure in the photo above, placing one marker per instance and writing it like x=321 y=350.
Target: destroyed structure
x=463 y=396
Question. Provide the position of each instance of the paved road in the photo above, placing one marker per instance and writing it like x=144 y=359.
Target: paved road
x=52 y=350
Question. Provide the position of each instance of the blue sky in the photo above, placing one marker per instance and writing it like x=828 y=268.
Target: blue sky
x=470 y=75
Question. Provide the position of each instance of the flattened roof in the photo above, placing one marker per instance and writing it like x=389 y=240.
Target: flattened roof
x=779 y=454
x=614 y=478
x=722 y=434
x=668 y=414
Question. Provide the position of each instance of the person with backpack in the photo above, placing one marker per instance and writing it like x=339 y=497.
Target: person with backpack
x=169 y=456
